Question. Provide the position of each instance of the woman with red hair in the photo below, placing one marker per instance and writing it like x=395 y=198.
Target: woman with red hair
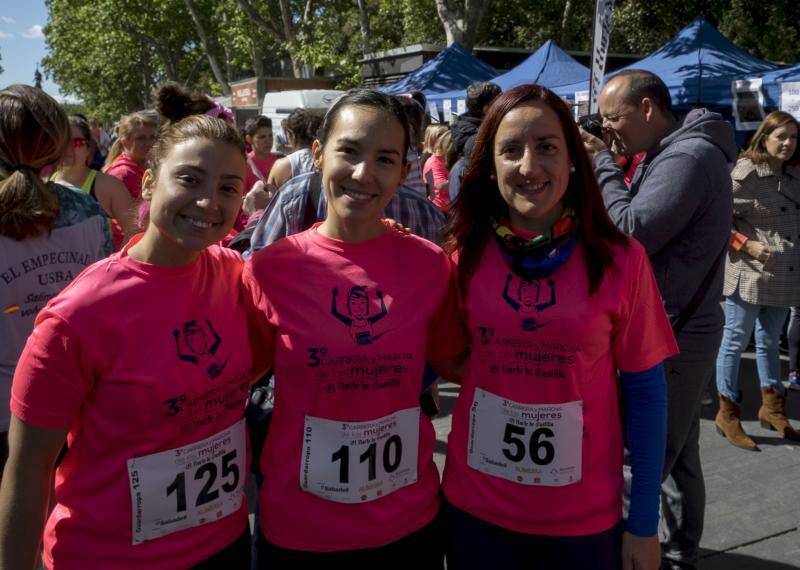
x=561 y=306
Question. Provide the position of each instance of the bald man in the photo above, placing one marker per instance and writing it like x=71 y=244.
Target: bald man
x=679 y=207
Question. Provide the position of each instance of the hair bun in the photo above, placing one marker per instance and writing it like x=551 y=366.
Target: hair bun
x=174 y=102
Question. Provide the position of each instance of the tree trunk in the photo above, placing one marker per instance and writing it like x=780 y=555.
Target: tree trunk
x=565 y=23
x=461 y=19
x=284 y=31
x=365 y=33
x=212 y=59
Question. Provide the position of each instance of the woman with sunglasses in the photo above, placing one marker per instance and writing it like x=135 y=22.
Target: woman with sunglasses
x=109 y=192
x=561 y=307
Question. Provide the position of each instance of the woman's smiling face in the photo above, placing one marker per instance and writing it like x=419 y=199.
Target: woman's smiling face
x=531 y=163
x=196 y=196
x=362 y=164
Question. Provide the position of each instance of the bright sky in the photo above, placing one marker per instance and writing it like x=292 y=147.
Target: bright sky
x=22 y=43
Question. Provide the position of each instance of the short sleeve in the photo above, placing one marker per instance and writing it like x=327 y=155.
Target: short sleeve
x=642 y=336
x=54 y=376
x=446 y=332
x=261 y=333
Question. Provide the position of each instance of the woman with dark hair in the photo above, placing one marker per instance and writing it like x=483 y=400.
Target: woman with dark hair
x=142 y=365
x=301 y=131
x=353 y=330
x=560 y=306
x=761 y=274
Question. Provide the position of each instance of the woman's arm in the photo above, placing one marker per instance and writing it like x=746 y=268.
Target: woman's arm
x=117 y=202
x=25 y=492
x=645 y=396
x=452 y=369
x=280 y=172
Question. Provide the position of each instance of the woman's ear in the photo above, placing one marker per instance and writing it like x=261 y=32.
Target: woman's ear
x=316 y=155
x=148 y=182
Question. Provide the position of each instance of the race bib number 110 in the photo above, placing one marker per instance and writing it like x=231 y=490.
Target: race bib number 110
x=530 y=444
x=188 y=486
x=355 y=462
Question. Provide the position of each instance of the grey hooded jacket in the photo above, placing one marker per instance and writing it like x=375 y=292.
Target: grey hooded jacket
x=680 y=207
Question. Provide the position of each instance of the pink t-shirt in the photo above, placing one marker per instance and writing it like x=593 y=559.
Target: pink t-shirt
x=550 y=470
x=130 y=173
x=355 y=324
x=136 y=359
x=264 y=165
x=438 y=167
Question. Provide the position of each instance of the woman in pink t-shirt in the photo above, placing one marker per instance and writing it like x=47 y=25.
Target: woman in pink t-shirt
x=142 y=365
x=560 y=304
x=356 y=310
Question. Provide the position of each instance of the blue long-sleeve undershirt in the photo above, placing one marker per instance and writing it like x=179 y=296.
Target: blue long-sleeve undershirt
x=646 y=412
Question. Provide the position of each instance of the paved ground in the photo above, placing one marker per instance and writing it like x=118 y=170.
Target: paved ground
x=753 y=499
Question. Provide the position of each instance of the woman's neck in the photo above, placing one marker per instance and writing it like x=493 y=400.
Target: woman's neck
x=75 y=174
x=336 y=228
x=776 y=165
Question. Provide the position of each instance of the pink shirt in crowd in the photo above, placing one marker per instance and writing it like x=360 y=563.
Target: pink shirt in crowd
x=130 y=173
x=354 y=325
x=264 y=165
x=536 y=440
x=437 y=165
x=134 y=360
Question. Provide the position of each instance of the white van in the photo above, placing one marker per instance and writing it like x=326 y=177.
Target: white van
x=278 y=105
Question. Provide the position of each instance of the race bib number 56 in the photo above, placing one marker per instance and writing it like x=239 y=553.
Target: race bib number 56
x=530 y=444
x=187 y=486
x=355 y=462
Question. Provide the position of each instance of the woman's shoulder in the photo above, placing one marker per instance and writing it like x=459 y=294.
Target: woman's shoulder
x=422 y=249
x=744 y=167
x=75 y=206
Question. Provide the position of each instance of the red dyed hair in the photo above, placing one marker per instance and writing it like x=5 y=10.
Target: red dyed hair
x=479 y=201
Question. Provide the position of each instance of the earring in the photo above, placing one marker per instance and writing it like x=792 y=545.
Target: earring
x=572 y=169
x=492 y=177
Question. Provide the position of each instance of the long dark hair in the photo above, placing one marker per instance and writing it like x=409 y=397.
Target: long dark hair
x=479 y=201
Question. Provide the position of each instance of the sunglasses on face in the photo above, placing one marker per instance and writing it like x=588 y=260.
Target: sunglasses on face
x=78 y=143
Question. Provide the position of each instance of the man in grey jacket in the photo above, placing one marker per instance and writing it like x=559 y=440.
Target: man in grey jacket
x=679 y=206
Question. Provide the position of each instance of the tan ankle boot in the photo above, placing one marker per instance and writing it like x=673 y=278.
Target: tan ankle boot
x=729 y=425
x=772 y=414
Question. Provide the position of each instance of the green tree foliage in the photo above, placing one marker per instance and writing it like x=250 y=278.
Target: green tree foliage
x=111 y=54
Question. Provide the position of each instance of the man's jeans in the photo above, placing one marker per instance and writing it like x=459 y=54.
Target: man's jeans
x=740 y=317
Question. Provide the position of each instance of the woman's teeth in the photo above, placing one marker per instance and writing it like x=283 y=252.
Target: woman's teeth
x=358 y=196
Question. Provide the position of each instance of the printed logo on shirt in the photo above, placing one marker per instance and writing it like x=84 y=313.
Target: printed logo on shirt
x=356 y=315
x=526 y=298
x=11 y=309
x=198 y=343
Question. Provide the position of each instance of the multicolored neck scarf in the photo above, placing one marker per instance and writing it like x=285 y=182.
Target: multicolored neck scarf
x=541 y=255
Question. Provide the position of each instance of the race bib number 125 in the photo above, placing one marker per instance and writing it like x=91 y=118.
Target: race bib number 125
x=188 y=486
x=355 y=462
x=530 y=444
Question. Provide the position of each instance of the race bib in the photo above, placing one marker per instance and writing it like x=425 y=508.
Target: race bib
x=531 y=444
x=187 y=486
x=356 y=462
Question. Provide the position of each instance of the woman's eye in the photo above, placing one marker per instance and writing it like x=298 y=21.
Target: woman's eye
x=386 y=160
x=187 y=179
x=230 y=189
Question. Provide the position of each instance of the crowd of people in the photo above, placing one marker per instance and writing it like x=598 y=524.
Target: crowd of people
x=569 y=284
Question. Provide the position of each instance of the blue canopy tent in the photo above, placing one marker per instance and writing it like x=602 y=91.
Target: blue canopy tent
x=453 y=68
x=697 y=65
x=549 y=66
